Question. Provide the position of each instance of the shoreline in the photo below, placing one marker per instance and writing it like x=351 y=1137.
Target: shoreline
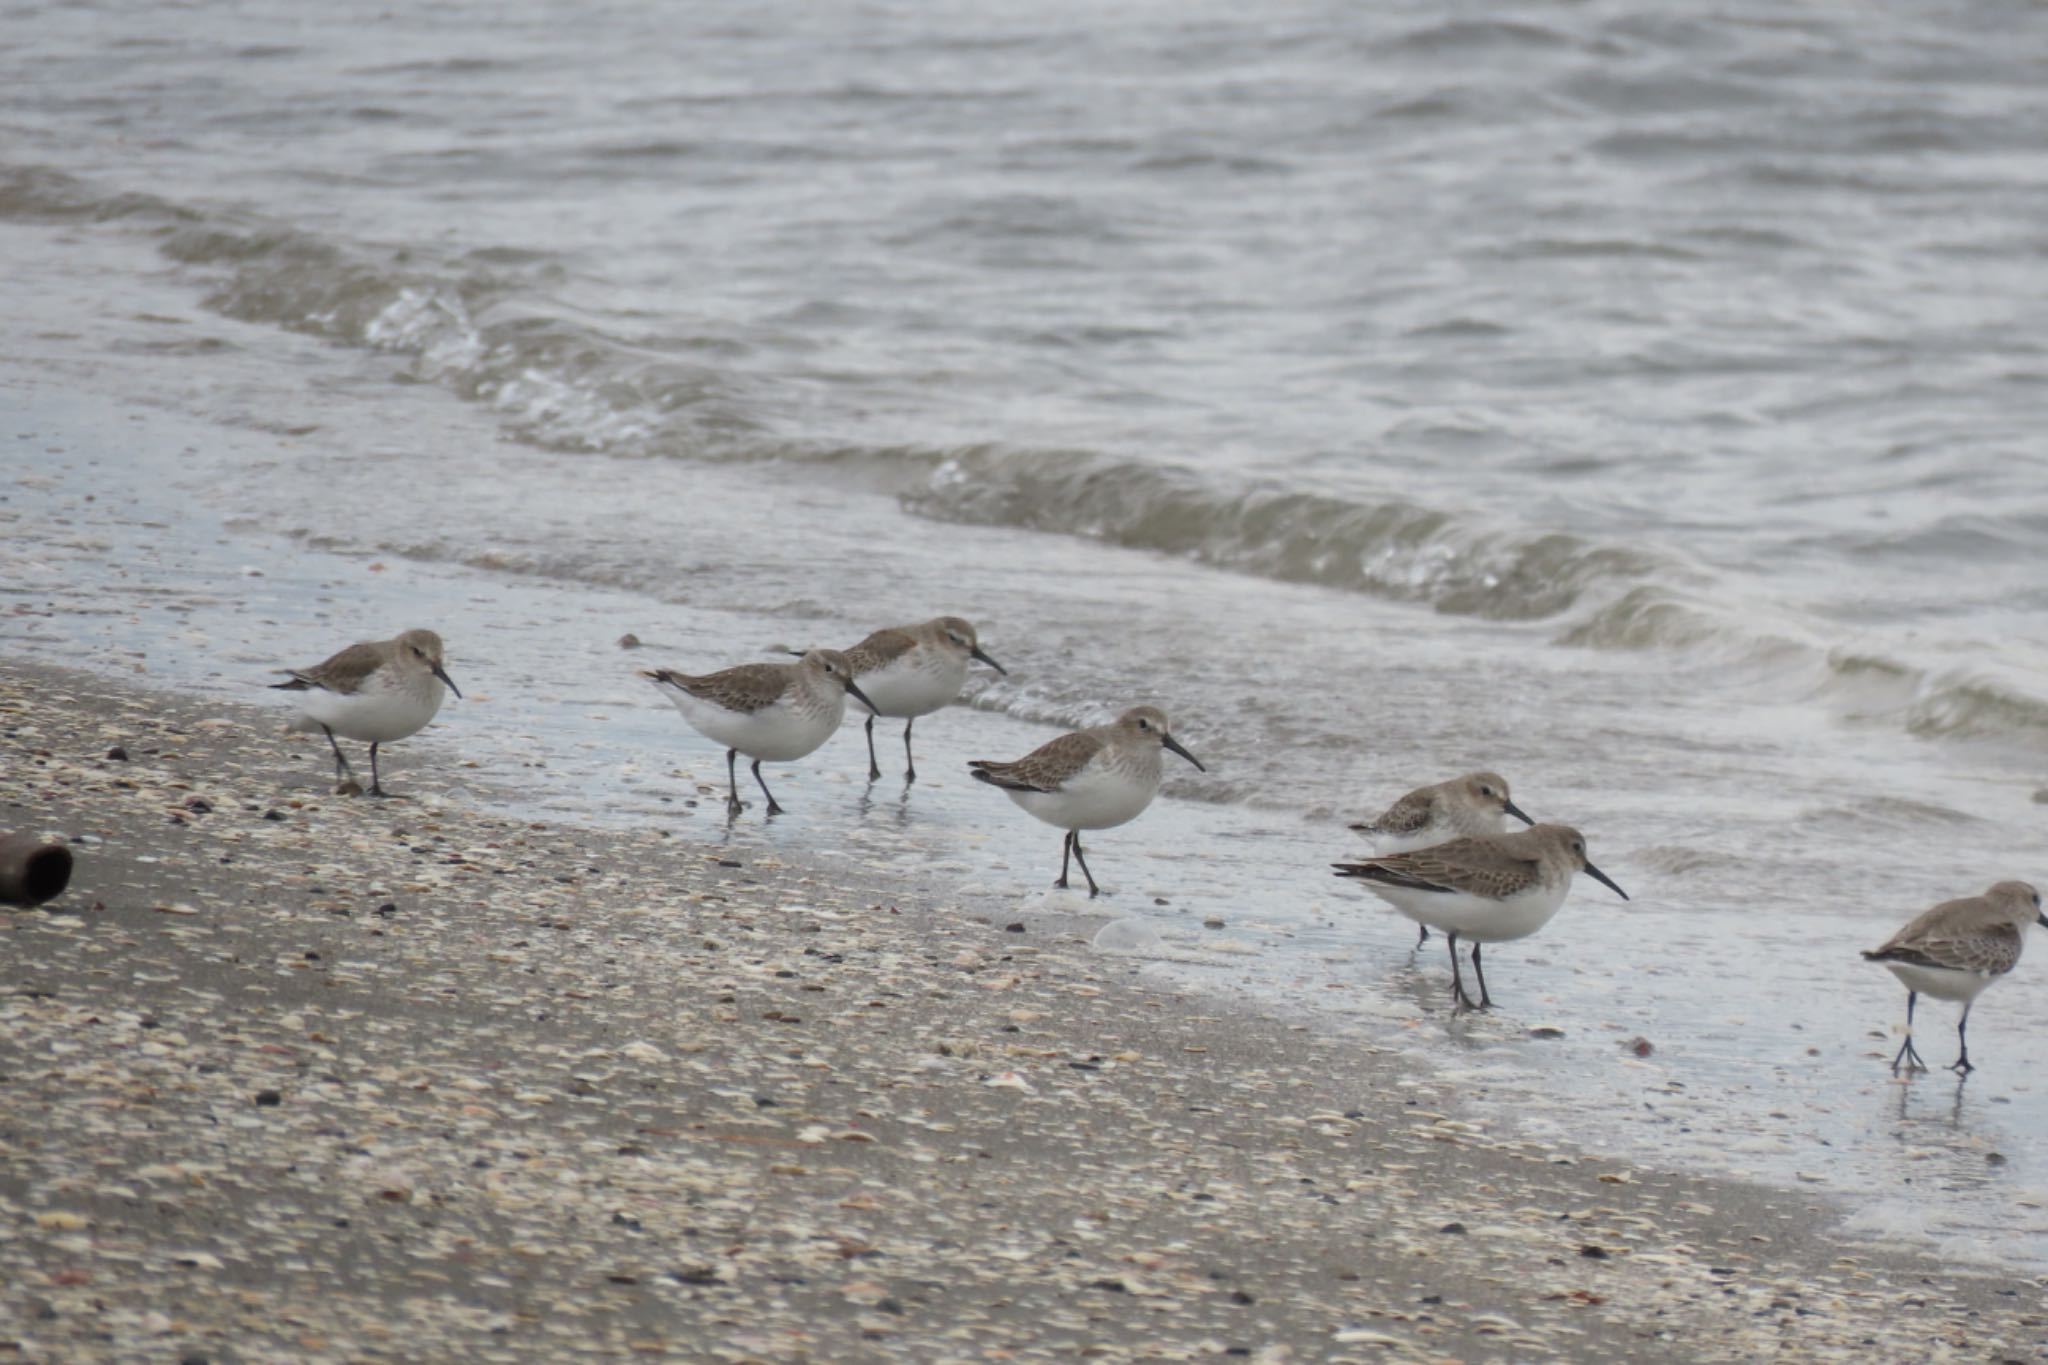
x=341 y=1079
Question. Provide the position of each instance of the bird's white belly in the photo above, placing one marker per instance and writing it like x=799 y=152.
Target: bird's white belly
x=913 y=684
x=777 y=732
x=1097 y=797
x=1384 y=845
x=1943 y=983
x=372 y=717
x=1481 y=919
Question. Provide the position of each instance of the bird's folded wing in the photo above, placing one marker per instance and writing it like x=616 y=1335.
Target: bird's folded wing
x=344 y=673
x=1473 y=866
x=879 y=650
x=1045 y=768
x=745 y=689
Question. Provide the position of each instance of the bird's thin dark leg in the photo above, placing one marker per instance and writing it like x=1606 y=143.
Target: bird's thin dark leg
x=1908 y=1056
x=376 y=783
x=732 y=784
x=1093 y=889
x=874 y=768
x=1485 y=1000
x=341 y=768
x=1962 y=1065
x=1066 y=851
x=909 y=762
x=1423 y=937
x=1460 y=1002
x=773 y=809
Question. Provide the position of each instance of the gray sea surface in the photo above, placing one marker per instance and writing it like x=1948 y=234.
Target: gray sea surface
x=1643 y=401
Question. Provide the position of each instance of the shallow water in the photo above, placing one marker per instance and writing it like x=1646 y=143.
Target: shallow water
x=1640 y=405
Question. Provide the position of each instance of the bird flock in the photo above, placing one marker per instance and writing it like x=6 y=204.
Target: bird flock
x=1442 y=855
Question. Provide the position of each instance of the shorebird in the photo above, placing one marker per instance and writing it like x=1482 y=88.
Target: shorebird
x=765 y=711
x=1091 y=779
x=1477 y=803
x=912 y=671
x=377 y=691
x=1954 y=951
x=1490 y=888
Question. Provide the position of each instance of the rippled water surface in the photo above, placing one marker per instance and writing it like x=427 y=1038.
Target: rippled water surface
x=1645 y=403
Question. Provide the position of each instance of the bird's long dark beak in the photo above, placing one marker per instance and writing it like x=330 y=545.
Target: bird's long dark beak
x=2042 y=920
x=442 y=674
x=1170 y=742
x=1512 y=809
x=1597 y=875
x=975 y=653
x=853 y=690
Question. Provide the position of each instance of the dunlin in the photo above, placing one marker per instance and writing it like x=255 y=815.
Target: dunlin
x=765 y=711
x=1091 y=779
x=1490 y=888
x=912 y=671
x=1477 y=803
x=377 y=691
x=1954 y=951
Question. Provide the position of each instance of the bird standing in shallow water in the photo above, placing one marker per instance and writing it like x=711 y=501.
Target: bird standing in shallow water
x=912 y=671
x=1091 y=779
x=377 y=691
x=1477 y=803
x=1954 y=951
x=778 y=712
x=1490 y=888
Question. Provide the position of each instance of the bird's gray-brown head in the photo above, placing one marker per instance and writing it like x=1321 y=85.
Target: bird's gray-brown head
x=1571 y=845
x=1489 y=791
x=955 y=633
x=1148 y=724
x=2021 y=901
x=422 y=649
x=830 y=663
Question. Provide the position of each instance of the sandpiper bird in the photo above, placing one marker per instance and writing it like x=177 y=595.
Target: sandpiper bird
x=1954 y=951
x=1476 y=803
x=912 y=671
x=1489 y=888
x=379 y=691
x=1091 y=779
x=772 y=711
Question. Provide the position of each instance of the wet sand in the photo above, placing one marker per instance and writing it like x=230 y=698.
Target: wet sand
x=288 y=1074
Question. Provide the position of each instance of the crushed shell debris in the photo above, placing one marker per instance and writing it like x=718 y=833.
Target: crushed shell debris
x=293 y=1076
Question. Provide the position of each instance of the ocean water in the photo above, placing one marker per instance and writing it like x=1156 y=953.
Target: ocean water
x=1644 y=403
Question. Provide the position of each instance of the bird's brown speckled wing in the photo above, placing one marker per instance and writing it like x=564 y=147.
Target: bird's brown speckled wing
x=344 y=673
x=1045 y=768
x=1967 y=935
x=880 y=649
x=1477 y=866
x=1409 y=815
x=746 y=689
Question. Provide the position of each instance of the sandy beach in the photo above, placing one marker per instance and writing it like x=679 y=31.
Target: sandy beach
x=295 y=1076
